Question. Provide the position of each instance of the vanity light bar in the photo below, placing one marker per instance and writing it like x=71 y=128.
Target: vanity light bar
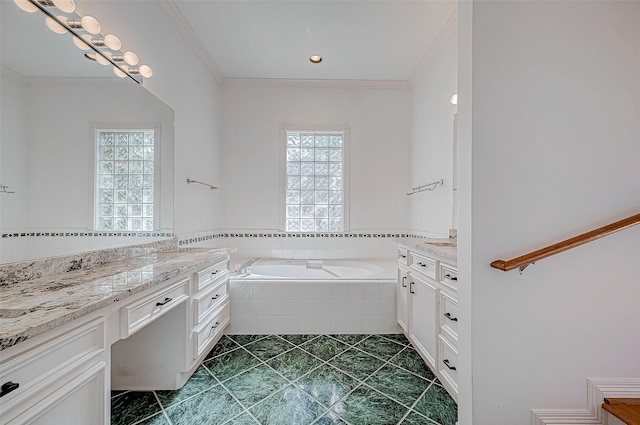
x=92 y=39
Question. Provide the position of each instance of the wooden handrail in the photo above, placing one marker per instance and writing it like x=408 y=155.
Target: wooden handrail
x=530 y=258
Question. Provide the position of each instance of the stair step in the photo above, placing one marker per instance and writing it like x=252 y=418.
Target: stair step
x=625 y=409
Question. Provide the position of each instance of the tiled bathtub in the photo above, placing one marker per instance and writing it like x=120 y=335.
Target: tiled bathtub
x=318 y=303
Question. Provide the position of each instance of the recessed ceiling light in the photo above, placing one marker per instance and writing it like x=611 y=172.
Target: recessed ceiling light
x=315 y=58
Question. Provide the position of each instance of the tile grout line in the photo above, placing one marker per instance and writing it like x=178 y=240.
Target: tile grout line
x=244 y=409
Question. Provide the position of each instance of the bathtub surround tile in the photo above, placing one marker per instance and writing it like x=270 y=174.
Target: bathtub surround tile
x=289 y=406
x=214 y=406
x=234 y=387
x=132 y=406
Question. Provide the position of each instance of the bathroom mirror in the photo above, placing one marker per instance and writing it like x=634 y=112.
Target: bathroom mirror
x=53 y=101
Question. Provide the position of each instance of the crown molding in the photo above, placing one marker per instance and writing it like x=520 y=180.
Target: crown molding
x=181 y=22
x=449 y=30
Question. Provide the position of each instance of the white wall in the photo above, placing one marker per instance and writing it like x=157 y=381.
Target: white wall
x=379 y=139
x=432 y=113
x=14 y=110
x=554 y=141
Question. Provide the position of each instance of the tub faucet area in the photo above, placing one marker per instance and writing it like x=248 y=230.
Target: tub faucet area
x=245 y=268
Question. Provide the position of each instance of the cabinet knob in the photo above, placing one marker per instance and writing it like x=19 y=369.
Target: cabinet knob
x=403 y=256
x=7 y=387
x=404 y=281
x=446 y=363
x=216 y=297
x=448 y=316
x=422 y=264
x=166 y=300
x=215 y=272
x=448 y=276
x=215 y=325
x=411 y=286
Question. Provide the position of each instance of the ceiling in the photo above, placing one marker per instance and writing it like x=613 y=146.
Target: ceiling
x=359 y=40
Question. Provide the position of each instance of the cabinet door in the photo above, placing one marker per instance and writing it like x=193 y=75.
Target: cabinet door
x=423 y=322
x=81 y=401
x=402 y=302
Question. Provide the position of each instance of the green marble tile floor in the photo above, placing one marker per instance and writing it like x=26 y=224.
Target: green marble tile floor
x=298 y=380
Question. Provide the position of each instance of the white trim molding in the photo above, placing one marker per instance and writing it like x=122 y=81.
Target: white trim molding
x=597 y=390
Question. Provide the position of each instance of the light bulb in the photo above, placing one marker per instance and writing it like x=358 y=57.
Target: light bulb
x=454 y=99
x=112 y=42
x=130 y=58
x=90 y=24
x=26 y=5
x=102 y=60
x=67 y=6
x=315 y=58
x=55 y=26
x=81 y=44
x=145 y=71
x=119 y=72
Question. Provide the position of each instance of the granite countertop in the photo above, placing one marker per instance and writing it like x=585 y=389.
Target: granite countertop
x=33 y=307
x=436 y=246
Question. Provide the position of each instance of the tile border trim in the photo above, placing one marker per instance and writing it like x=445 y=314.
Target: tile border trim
x=212 y=236
x=89 y=233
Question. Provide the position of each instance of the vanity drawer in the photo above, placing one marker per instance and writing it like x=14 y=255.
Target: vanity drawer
x=403 y=256
x=212 y=327
x=423 y=265
x=209 y=300
x=37 y=370
x=449 y=316
x=211 y=275
x=140 y=313
x=448 y=365
x=449 y=276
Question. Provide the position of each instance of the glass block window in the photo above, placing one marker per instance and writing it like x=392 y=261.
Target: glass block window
x=125 y=180
x=314 y=182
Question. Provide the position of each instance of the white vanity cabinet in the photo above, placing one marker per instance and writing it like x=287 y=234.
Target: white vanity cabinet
x=166 y=333
x=50 y=377
x=428 y=310
x=152 y=340
x=210 y=306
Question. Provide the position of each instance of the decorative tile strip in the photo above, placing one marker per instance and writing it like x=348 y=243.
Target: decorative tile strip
x=84 y=234
x=212 y=236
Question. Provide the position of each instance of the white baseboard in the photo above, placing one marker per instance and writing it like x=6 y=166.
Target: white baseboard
x=597 y=390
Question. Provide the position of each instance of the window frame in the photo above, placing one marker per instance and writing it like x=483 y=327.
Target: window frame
x=157 y=172
x=345 y=130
